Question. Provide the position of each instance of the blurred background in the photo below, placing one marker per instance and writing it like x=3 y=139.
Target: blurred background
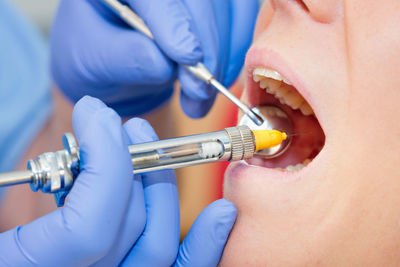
x=41 y=12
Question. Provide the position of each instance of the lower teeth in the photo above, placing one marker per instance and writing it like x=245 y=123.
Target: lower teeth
x=297 y=167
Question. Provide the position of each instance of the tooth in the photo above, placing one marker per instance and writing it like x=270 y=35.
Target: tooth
x=271 y=85
x=294 y=100
x=306 y=109
x=267 y=111
x=268 y=74
x=294 y=168
x=280 y=113
x=282 y=101
x=271 y=90
x=274 y=75
x=257 y=78
x=299 y=167
x=264 y=83
x=282 y=91
x=306 y=162
x=275 y=84
x=258 y=72
x=286 y=81
x=290 y=168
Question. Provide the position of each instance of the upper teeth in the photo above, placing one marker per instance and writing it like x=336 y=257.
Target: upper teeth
x=281 y=88
x=259 y=73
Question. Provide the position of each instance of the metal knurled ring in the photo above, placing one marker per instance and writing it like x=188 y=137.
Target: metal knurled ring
x=242 y=142
x=248 y=142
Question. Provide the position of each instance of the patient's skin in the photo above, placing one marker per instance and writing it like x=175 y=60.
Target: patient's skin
x=344 y=208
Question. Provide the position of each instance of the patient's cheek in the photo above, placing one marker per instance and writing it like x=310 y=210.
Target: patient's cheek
x=324 y=11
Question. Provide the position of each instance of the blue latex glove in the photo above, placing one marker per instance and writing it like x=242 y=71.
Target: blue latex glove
x=113 y=217
x=95 y=53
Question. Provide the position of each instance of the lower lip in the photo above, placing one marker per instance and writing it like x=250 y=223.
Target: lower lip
x=241 y=171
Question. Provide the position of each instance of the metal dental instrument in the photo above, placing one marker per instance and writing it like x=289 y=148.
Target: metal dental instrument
x=274 y=118
x=55 y=172
x=199 y=70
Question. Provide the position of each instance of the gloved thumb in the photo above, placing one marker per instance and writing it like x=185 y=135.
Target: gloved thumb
x=206 y=240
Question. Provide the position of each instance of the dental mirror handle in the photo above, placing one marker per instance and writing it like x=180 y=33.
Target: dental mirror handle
x=199 y=70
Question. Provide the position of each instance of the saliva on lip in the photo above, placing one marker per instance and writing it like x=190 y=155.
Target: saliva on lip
x=274 y=119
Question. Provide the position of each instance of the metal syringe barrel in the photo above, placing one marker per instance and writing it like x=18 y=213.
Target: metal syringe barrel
x=234 y=143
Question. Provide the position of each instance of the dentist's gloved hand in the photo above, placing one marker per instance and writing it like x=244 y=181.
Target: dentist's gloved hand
x=95 y=53
x=112 y=217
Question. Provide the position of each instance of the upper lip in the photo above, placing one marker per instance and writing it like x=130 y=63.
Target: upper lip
x=267 y=58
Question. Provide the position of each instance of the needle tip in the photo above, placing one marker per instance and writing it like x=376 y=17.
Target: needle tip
x=297 y=134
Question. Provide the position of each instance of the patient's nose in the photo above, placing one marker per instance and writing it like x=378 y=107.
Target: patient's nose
x=326 y=11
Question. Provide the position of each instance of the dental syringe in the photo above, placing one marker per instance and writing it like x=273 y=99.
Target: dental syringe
x=55 y=172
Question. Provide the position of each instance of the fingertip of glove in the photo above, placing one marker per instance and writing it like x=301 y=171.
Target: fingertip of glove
x=91 y=111
x=189 y=52
x=89 y=108
x=140 y=131
x=196 y=108
x=224 y=214
x=224 y=209
x=106 y=116
x=88 y=103
x=172 y=27
x=194 y=87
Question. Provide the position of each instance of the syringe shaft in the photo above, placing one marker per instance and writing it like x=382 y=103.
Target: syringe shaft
x=14 y=178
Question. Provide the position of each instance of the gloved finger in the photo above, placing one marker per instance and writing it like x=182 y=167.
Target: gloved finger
x=205 y=27
x=223 y=18
x=196 y=108
x=135 y=219
x=111 y=54
x=206 y=240
x=105 y=181
x=88 y=224
x=244 y=16
x=158 y=244
x=172 y=28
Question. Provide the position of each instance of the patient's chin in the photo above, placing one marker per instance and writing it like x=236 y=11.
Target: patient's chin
x=244 y=246
x=248 y=245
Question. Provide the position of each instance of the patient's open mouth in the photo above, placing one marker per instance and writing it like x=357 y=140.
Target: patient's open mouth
x=268 y=87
